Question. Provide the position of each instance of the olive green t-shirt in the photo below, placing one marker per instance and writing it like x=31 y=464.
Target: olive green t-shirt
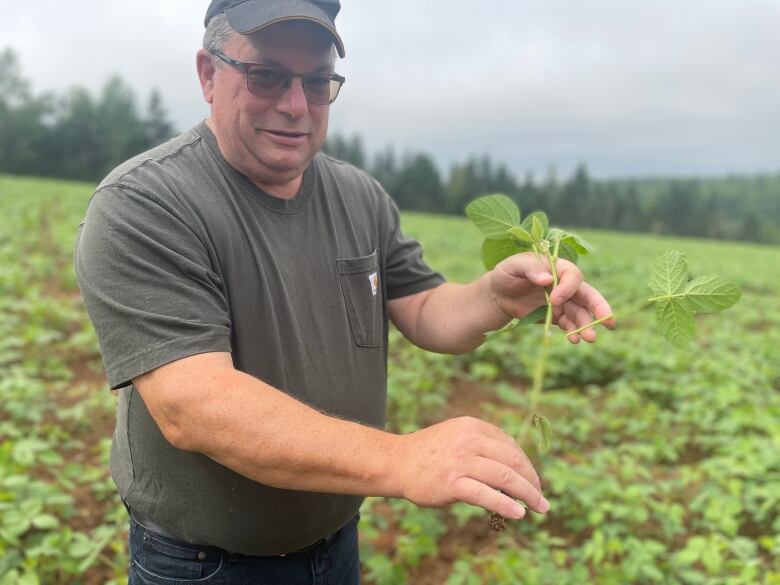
x=179 y=254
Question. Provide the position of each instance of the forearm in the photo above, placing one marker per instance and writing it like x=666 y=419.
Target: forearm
x=453 y=318
x=202 y=404
x=266 y=435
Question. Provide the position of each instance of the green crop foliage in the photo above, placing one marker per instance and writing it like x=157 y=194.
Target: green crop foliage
x=664 y=467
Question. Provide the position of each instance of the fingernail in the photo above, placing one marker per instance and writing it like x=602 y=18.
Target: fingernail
x=518 y=511
x=544 y=506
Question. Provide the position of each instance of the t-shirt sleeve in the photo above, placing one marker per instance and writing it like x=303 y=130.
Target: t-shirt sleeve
x=148 y=283
x=406 y=272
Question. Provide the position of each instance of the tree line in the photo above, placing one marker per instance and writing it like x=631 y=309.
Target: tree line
x=74 y=135
x=78 y=136
x=733 y=207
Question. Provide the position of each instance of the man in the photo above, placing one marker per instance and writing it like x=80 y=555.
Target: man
x=240 y=284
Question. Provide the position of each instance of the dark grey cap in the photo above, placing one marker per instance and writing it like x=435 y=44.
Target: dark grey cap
x=248 y=16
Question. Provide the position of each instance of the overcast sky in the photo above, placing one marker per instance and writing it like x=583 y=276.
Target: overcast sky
x=672 y=87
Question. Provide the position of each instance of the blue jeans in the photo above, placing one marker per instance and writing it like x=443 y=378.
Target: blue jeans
x=159 y=560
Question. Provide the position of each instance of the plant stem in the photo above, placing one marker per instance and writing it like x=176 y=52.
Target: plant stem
x=584 y=327
x=631 y=309
x=541 y=360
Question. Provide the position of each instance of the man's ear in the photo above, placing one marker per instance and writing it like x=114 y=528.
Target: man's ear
x=206 y=70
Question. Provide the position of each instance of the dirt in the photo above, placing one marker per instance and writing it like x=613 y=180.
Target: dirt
x=474 y=537
x=90 y=512
x=467 y=398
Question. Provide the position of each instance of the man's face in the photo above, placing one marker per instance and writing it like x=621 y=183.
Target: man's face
x=271 y=141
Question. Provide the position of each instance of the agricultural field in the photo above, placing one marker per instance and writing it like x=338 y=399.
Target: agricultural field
x=664 y=465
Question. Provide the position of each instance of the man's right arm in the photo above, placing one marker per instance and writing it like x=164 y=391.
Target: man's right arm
x=202 y=403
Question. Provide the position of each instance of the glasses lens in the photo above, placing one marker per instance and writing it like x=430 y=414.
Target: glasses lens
x=320 y=89
x=266 y=82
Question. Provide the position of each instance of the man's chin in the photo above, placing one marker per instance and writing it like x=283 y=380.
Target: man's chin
x=287 y=162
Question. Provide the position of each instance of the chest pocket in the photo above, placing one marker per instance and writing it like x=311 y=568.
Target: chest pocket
x=362 y=290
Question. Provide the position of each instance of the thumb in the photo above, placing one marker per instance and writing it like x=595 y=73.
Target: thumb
x=540 y=278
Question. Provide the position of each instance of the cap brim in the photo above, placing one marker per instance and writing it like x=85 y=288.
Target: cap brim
x=248 y=17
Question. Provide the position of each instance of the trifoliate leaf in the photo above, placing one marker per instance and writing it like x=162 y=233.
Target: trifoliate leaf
x=541 y=217
x=544 y=427
x=582 y=247
x=554 y=233
x=675 y=319
x=568 y=252
x=571 y=247
x=494 y=215
x=708 y=294
x=521 y=235
x=670 y=274
x=494 y=251
x=537 y=229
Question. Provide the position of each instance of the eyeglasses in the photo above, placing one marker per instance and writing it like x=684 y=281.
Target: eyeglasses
x=271 y=82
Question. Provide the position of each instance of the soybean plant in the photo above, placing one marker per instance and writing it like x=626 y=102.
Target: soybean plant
x=677 y=297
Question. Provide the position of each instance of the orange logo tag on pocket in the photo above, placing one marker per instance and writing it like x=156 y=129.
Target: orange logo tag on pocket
x=373 y=278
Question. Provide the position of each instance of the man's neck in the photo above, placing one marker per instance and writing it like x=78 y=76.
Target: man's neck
x=283 y=191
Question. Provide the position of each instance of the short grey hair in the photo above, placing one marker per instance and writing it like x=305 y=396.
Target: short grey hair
x=218 y=32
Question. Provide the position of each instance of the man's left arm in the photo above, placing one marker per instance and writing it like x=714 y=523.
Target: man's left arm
x=453 y=318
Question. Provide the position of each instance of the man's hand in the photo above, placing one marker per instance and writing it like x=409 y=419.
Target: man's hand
x=453 y=318
x=468 y=460
x=517 y=286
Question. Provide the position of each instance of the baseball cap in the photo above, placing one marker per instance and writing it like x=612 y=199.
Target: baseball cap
x=248 y=16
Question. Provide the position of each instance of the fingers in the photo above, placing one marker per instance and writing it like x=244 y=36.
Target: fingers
x=501 y=447
x=589 y=297
x=566 y=324
x=476 y=493
x=502 y=477
x=569 y=281
x=527 y=267
x=586 y=306
x=466 y=459
x=496 y=445
x=580 y=317
x=512 y=456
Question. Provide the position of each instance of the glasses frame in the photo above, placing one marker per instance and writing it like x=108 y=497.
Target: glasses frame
x=245 y=68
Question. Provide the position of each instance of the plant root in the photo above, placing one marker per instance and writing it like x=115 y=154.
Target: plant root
x=496 y=522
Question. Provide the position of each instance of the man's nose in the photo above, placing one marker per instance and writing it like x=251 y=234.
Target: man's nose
x=293 y=102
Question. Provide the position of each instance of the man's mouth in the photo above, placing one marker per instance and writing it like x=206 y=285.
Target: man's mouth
x=287 y=133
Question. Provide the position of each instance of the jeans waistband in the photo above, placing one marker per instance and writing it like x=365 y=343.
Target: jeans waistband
x=209 y=550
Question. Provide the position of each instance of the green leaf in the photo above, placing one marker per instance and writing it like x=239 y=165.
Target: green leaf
x=494 y=251
x=29 y=579
x=708 y=294
x=537 y=229
x=675 y=318
x=522 y=235
x=568 y=252
x=541 y=217
x=494 y=215
x=534 y=316
x=572 y=246
x=670 y=274
x=45 y=522
x=544 y=427
x=81 y=546
x=712 y=559
x=582 y=247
